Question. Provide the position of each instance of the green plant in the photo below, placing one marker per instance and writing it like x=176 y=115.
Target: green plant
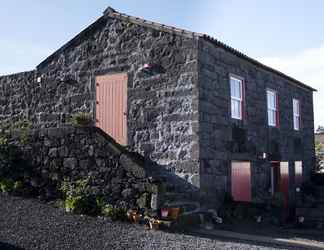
x=23 y=126
x=74 y=204
x=115 y=213
x=78 y=198
x=3 y=140
x=81 y=119
x=18 y=185
x=7 y=186
x=100 y=202
x=74 y=189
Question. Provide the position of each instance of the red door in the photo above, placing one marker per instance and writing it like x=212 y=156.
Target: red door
x=280 y=179
x=284 y=180
x=298 y=174
x=111 y=108
x=241 y=181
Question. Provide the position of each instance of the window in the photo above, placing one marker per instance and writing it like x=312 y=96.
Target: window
x=296 y=110
x=273 y=114
x=241 y=181
x=236 y=97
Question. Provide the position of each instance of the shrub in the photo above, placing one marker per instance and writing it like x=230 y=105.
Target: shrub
x=7 y=186
x=78 y=198
x=81 y=119
x=11 y=163
x=115 y=213
x=74 y=204
x=10 y=186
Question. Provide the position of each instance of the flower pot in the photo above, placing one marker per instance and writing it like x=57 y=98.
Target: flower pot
x=174 y=213
x=154 y=225
x=164 y=213
x=136 y=218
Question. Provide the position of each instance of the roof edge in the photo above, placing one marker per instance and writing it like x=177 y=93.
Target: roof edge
x=255 y=62
x=72 y=42
x=112 y=13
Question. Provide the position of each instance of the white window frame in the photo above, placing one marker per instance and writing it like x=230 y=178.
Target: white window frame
x=296 y=114
x=272 y=109
x=236 y=99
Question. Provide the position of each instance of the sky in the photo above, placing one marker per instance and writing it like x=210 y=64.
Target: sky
x=287 y=35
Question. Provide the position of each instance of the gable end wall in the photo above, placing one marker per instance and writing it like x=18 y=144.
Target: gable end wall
x=162 y=104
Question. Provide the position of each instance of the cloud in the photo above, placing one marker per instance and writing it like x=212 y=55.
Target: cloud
x=308 y=67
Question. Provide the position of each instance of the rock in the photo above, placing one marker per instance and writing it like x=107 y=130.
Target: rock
x=53 y=152
x=70 y=163
x=84 y=164
x=132 y=167
x=91 y=151
x=63 y=151
x=127 y=193
x=142 y=201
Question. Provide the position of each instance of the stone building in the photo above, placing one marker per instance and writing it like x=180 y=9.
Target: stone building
x=319 y=135
x=220 y=120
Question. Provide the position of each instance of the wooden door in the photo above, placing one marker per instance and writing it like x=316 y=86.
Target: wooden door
x=275 y=177
x=241 y=181
x=298 y=174
x=284 y=180
x=111 y=105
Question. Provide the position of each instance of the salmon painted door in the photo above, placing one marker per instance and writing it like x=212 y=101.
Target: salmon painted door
x=111 y=107
x=241 y=181
x=284 y=180
x=298 y=174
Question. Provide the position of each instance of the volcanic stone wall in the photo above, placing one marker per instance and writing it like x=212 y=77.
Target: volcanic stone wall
x=162 y=103
x=77 y=153
x=216 y=125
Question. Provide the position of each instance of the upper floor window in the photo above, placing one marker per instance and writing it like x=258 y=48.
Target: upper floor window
x=296 y=111
x=273 y=111
x=236 y=97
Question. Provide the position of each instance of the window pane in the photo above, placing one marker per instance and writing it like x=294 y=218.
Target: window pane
x=271 y=117
x=236 y=88
x=269 y=99
x=271 y=96
x=232 y=88
x=236 y=109
x=232 y=108
x=296 y=122
x=296 y=106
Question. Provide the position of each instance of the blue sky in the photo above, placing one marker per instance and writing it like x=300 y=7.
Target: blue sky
x=287 y=35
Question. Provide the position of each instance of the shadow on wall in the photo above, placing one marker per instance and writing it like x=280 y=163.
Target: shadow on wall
x=174 y=188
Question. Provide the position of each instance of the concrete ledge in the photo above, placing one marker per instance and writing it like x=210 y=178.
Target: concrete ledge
x=260 y=239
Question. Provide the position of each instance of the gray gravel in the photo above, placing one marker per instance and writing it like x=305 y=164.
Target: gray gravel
x=28 y=224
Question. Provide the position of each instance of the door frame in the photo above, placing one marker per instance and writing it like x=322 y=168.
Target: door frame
x=103 y=73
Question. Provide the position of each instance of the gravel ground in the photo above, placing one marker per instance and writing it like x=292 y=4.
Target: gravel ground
x=28 y=224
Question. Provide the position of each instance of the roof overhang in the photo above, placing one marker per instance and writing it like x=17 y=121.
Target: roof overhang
x=112 y=13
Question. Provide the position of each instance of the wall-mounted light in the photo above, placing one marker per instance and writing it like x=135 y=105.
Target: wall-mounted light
x=263 y=156
x=152 y=68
